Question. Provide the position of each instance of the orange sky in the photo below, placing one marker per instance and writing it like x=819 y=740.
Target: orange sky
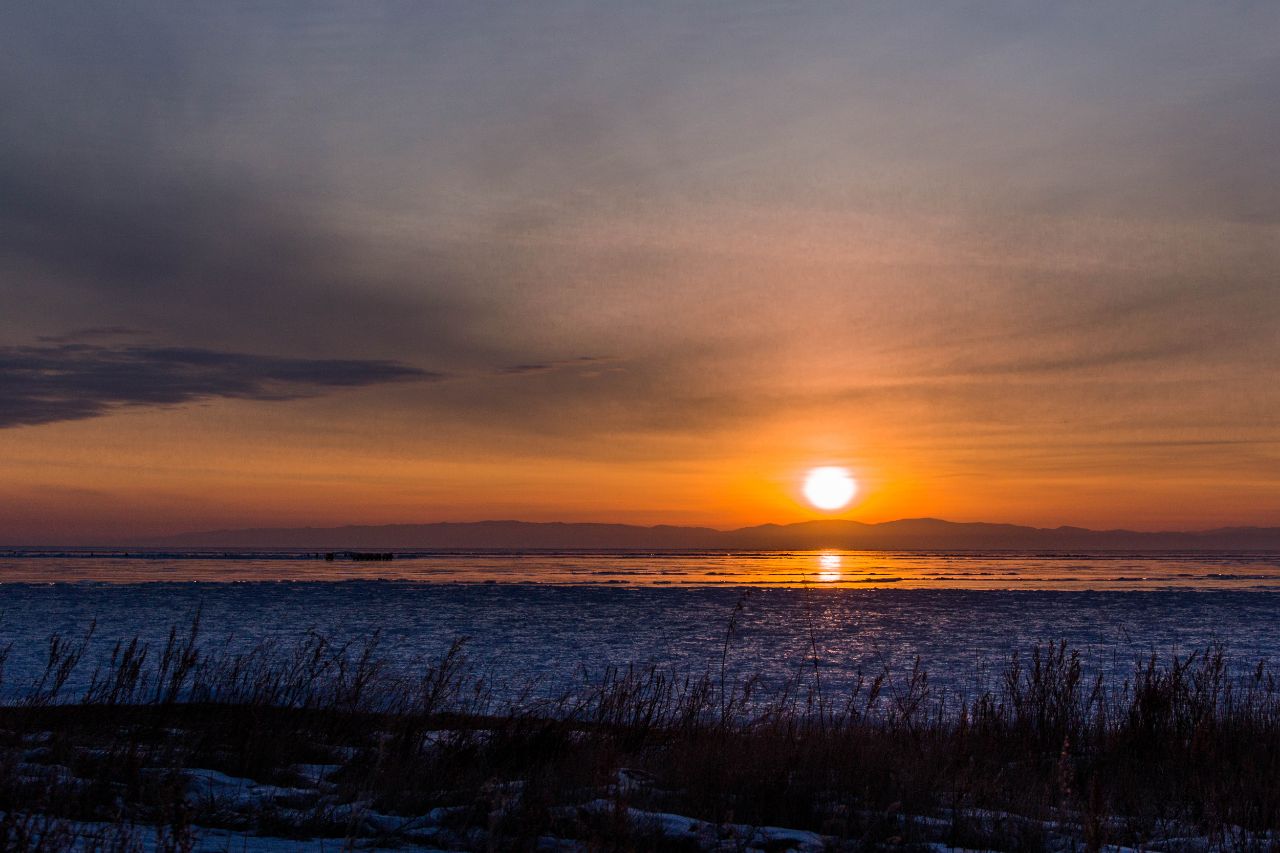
x=293 y=266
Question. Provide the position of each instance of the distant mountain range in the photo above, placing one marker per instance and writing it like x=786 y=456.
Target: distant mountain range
x=905 y=534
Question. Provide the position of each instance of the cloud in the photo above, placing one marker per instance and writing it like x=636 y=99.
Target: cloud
x=93 y=332
x=74 y=381
x=556 y=364
x=483 y=193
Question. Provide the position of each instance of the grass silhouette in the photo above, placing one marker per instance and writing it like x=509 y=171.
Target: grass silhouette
x=316 y=739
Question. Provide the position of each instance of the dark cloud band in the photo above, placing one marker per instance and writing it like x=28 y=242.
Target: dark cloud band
x=548 y=366
x=73 y=381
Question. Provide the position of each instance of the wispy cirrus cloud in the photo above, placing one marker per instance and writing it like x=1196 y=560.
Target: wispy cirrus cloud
x=533 y=367
x=98 y=332
x=74 y=381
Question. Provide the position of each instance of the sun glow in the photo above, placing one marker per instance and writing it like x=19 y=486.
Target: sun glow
x=829 y=488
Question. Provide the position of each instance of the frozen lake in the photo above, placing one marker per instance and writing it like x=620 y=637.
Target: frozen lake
x=853 y=569
x=549 y=618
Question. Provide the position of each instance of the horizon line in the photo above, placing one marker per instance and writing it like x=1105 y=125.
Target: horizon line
x=844 y=520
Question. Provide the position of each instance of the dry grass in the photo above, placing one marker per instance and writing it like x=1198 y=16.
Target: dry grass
x=1177 y=748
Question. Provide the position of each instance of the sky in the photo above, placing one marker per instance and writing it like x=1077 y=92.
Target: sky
x=287 y=264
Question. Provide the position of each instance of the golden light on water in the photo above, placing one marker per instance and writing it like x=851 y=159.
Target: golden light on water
x=829 y=488
x=829 y=566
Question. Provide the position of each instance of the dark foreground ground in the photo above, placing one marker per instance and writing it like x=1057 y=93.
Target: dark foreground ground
x=319 y=747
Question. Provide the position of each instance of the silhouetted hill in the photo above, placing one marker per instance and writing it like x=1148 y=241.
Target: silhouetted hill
x=904 y=534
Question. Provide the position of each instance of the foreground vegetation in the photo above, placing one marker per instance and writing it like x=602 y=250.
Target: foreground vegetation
x=167 y=748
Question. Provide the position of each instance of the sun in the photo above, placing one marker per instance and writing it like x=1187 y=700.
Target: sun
x=829 y=488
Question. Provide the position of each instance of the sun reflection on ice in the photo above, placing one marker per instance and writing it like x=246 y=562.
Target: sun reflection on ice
x=829 y=567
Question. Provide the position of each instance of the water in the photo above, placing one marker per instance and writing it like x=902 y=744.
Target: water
x=854 y=569
x=551 y=617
